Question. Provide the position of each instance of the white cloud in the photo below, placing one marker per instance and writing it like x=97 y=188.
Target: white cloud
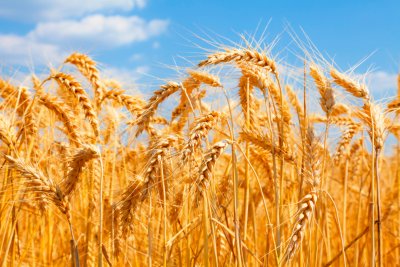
x=61 y=26
x=136 y=57
x=126 y=77
x=98 y=31
x=382 y=84
x=45 y=10
x=156 y=45
x=16 y=49
x=49 y=41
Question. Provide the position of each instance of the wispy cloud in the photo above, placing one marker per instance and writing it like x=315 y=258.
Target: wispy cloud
x=21 y=50
x=98 y=30
x=128 y=78
x=382 y=84
x=45 y=10
x=63 y=26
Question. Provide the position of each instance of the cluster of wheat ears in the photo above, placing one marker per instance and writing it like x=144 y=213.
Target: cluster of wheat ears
x=95 y=176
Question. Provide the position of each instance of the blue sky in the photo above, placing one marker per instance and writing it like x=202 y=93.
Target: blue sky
x=134 y=39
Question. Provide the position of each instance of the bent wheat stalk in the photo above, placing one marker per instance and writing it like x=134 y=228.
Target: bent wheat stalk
x=76 y=163
x=149 y=110
x=37 y=182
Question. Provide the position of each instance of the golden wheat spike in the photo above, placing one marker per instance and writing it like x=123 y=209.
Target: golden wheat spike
x=354 y=88
x=88 y=68
x=68 y=82
x=149 y=110
x=240 y=55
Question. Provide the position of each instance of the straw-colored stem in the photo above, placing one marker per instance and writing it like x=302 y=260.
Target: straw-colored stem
x=165 y=254
x=100 y=251
x=345 y=185
x=150 y=232
x=205 y=231
x=247 y=186
x=378 y=200
x=236 y=193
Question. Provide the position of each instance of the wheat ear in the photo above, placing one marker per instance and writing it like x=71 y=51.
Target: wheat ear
x=201 y=127
x=68 y=82
x=156 y=155
x=133 y=104
x=7 y=134
x=394 y=105
x=265 y=143
x=63 y=114
x=327 y=99
x=372 y=116
x=126 y=207
x=188 y=86
x=36 y=181
x=240 y=55
x=308 y=202
x=87 y=67
x=345 y=141
x=76 y=162
x=205 y=77
x=19 y=98
x=304 y=215
x=354 y=88
x=149 y=110
x=208 y=163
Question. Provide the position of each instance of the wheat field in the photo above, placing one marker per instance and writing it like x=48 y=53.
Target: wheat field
x=243 y=161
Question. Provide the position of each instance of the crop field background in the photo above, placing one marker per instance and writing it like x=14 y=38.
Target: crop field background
x=258 y=151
